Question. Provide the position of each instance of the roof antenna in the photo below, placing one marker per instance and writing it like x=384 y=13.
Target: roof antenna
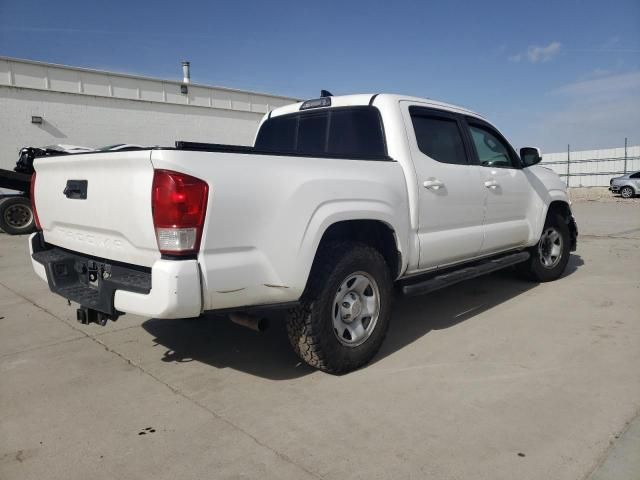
x=325 y=93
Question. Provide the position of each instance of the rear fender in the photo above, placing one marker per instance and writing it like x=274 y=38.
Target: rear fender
x=332 y=212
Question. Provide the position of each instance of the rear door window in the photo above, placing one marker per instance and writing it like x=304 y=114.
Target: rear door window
x=439 y=137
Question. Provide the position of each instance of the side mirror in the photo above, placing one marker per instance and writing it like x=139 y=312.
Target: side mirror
x=530 y=156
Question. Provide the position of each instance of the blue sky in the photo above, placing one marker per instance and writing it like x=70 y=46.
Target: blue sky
x=547 y=73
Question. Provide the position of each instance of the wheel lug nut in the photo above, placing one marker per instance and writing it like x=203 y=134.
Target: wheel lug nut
x=345 y=304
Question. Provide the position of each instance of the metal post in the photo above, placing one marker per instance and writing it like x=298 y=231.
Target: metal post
x=568 y=162
x=625 y=155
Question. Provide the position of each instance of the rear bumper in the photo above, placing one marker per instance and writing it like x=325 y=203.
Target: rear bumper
x=169 y=289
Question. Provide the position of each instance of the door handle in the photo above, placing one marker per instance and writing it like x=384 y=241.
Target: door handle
x=492 y=184
x=433 y=184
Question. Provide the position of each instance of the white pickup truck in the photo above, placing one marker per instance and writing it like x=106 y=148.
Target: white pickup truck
x=340 y=199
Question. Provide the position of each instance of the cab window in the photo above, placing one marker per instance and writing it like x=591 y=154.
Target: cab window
x=492 y=150
x=339 y=131
x=438 y=137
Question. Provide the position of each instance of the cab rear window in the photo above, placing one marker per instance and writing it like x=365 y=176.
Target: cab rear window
x=343 y=131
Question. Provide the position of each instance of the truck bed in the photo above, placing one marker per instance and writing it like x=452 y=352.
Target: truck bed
x=265 y=215
x=242 y=149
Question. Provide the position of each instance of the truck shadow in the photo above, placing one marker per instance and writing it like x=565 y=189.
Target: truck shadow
x=215 y=341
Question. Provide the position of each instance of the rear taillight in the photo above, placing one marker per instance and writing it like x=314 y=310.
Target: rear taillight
x=32 y=196
x=179 y=204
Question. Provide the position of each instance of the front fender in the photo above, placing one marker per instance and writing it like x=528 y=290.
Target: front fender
x=548 y=187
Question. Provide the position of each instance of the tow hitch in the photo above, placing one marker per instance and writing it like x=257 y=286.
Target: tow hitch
x=89 y=282
x=86 y=316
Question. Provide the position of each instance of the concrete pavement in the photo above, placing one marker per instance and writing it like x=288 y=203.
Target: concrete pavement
x=622 y=462
x=494 y=378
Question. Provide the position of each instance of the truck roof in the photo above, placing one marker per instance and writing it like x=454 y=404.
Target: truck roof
x=372 y=99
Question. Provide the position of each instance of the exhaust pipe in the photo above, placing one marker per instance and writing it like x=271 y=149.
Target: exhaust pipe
x=256 y=324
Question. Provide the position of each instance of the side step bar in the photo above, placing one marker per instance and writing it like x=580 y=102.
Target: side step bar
x=464 y=273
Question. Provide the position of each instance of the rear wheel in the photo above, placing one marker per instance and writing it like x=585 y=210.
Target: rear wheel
x=344 y=313
x=626 y=192
x=550 y=256
x=16 y=215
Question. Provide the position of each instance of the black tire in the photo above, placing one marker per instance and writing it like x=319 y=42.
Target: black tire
x=627 y=192
x=16 y=216
x=310 y=326
x=534 y=268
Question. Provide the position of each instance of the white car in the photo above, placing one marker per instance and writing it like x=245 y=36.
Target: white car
x=626 y=185
x=339 y=199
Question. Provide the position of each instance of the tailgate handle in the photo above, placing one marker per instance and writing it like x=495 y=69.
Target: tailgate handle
x=76 y=189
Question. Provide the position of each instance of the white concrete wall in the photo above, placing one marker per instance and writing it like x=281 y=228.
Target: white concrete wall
x=592 y=168
x=98 y=121
x=93 y=108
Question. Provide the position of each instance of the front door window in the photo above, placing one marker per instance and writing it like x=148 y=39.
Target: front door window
x=492 y=152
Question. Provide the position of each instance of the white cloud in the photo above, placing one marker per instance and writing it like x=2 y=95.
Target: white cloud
x=610 y=86
x=595 y=113
x=543 y=54
x=599 y=72
x=611 y=42
x=590 y=125
x=537 y=54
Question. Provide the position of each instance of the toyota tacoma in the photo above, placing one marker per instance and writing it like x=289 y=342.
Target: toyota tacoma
x=342 y=202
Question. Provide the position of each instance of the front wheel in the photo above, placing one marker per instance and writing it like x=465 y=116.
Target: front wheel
x=344 y=313
x=550 y=256
x=626 y=192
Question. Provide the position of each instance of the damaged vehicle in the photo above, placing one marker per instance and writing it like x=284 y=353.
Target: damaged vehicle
x=342 y=203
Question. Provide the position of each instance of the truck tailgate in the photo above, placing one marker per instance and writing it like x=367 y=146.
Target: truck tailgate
x=98 y=204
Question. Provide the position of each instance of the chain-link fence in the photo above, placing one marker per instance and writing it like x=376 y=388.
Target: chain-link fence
x=593 y=168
